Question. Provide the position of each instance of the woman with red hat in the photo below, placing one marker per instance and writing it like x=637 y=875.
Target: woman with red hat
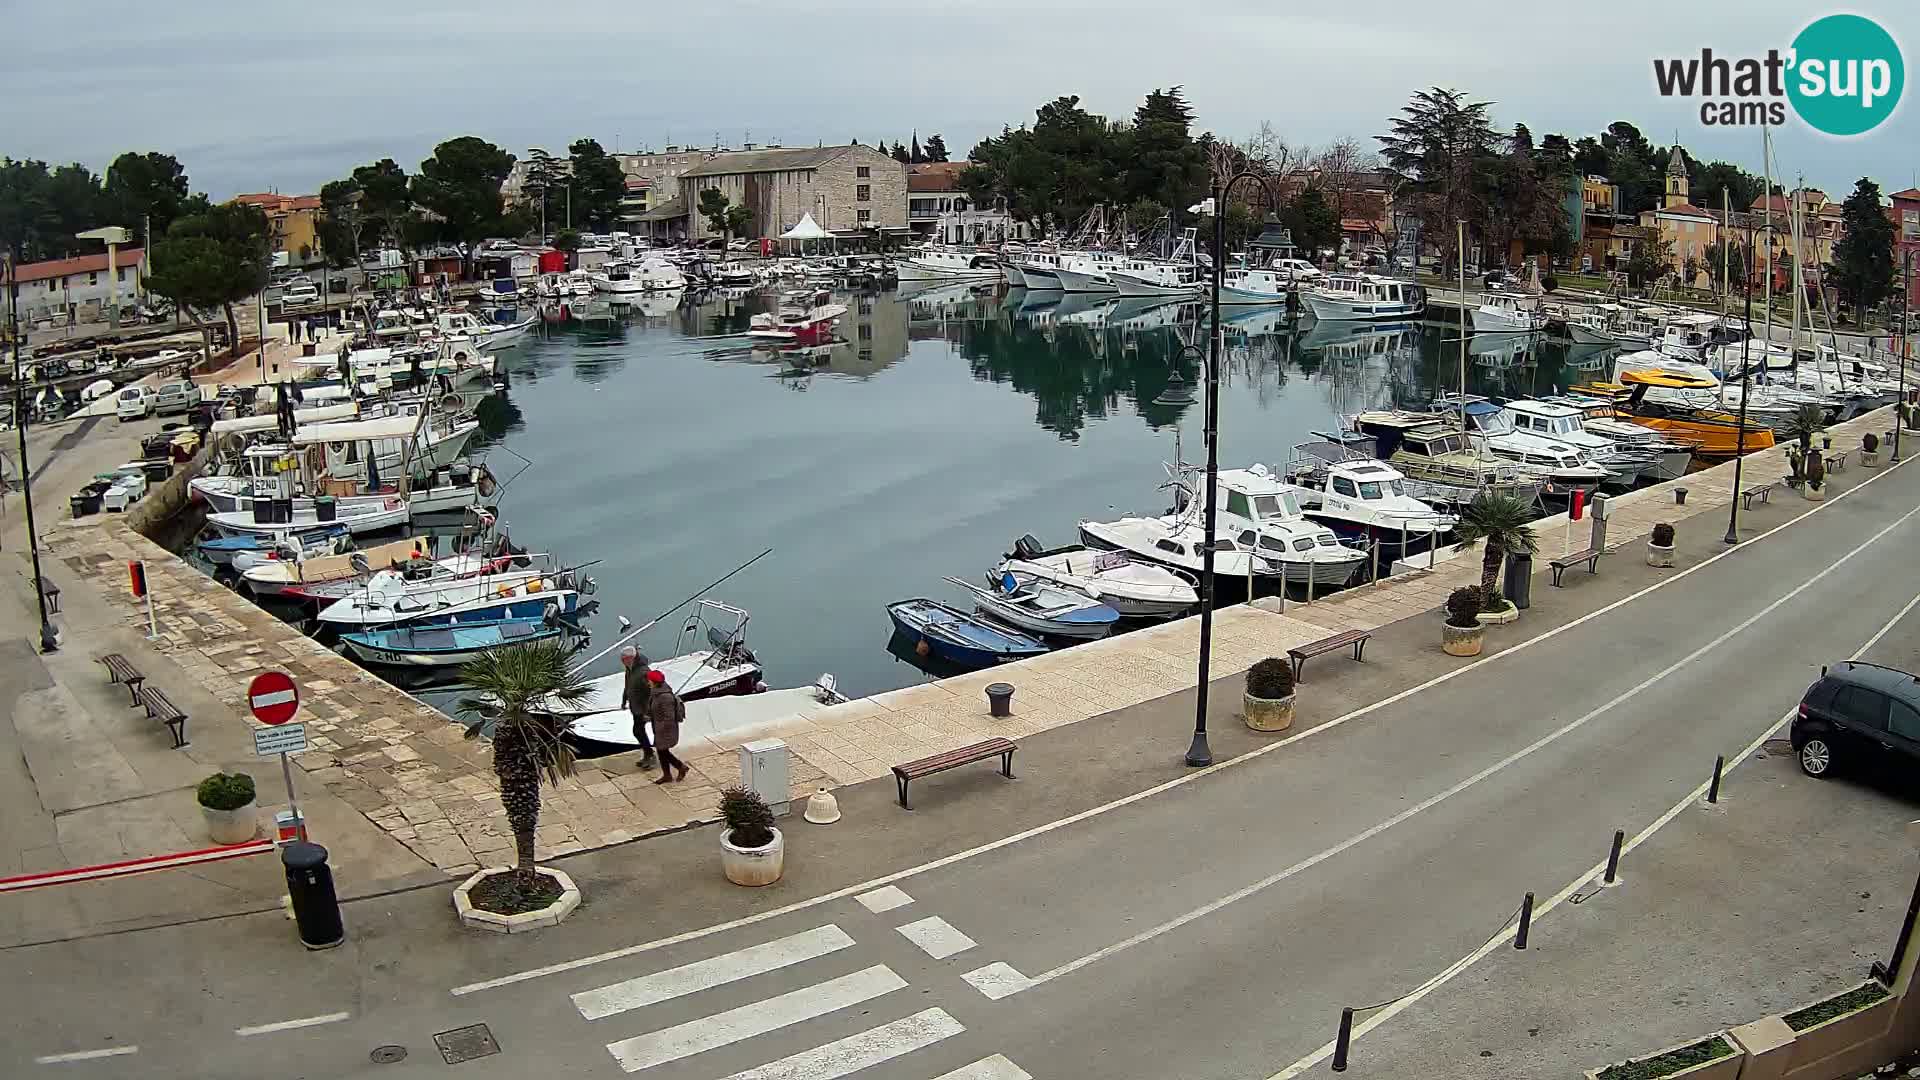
x=667 y=711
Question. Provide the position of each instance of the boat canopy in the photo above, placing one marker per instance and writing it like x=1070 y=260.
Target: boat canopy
x=247 y=425
x=385 y=427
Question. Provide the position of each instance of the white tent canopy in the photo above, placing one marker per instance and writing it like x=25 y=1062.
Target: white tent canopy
x=807 y=229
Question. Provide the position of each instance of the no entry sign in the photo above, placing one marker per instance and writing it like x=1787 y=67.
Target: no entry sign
x=273 y=697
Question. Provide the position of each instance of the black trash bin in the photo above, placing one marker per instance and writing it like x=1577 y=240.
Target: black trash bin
x=316 y=910
x=283 y=511
x=262 y=511
x=323 y=508
x=1518 y=584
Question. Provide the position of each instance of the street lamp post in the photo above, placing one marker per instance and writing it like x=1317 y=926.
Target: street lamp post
x=1740 y=425
x=1906 y=305
x=48 y=641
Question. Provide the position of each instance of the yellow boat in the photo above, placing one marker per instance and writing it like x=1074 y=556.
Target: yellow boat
x=1715 y=432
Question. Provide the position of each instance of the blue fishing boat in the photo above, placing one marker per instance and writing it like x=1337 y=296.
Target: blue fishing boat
x=958 y=637
x=222 y=550
x=447 y=646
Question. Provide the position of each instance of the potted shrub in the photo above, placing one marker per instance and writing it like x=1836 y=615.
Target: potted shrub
x=1816 y=477
x=1462 y=633
x=752 y=851
x=1869 y=451
x=1660 y=546
x=1269 y=697
x=226 y=801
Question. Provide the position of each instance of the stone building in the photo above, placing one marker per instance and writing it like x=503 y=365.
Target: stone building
x=1689 y=230
x=849 y=190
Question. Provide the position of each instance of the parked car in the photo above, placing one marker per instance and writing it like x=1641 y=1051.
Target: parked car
x=135 y=403
x=176 y=397
x=300 y=291
x=1858 y=713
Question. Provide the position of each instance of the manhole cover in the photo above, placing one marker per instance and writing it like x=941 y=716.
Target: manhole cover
x=387 y=1055
x=466 y=1043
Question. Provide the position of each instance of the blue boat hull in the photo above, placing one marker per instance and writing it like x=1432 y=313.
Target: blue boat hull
x=445 y=646
x=959 y=638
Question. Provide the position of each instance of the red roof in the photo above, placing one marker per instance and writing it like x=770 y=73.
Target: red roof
x=275 y=203
x=1683 y=209
x=1356 y=224
x=1911 y=194
x=79 y=264
x=936 y=176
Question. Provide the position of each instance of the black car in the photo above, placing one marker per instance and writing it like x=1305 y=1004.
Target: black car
x=1858 y=713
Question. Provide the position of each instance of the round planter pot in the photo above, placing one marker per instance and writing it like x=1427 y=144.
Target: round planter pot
x=1507 y=613
x=480 y=919
x=753 y=867
x=1461 y=640
x=1869 y=459
x=1814 y=494
x=1659 y=556
x=1268 y=714
x=232 y=826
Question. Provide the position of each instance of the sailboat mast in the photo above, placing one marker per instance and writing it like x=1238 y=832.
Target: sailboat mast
x=1766 y=309
x=1461 y=243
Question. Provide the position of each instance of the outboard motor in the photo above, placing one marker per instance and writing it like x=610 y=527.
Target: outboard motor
x=1028 y=547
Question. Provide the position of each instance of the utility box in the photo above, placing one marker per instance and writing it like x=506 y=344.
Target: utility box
x=1517 y=586
x=763 y=770
x=1602 y=510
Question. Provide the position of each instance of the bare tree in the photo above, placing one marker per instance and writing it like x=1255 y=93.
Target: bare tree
x=1343 y=171
x=1267 y=150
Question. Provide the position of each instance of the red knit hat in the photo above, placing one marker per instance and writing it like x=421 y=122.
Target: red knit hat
x=656 y=677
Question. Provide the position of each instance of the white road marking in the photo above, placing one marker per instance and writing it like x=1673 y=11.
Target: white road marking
x=1431 y=801
x=755 y=1018
x=996 y=1067
x=1598 y=869
x=1185 y=778
x=289 y=1025
x=936 y=937
x=997 y=980
x=716 y=971
x=86 y=1055
x=846 y=1056
x=884 y=899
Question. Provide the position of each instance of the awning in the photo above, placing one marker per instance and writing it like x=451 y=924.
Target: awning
x=385 y=427
x=807 y=229
x=246 y=425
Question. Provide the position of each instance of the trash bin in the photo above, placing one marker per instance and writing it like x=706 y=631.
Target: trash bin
x=283 y=511
x=1000 y=700
x=323 y=508
x=262 y=511
x=316 y=910
x=78 y=504
x=1518 y=584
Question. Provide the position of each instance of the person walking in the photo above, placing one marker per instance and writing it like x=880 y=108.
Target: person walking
x=665 y=709
x=634 y=694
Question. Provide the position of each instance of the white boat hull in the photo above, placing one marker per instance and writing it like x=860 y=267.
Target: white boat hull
x=1496 y=322
x=1581 y=334
x=706 y=717
x=1231 y=295
x=1016 y=277
x=1075 y=281
x=1128 y=285
x=1039 y=278
x=388 y=517
x=1335 y=309
x=913 y=271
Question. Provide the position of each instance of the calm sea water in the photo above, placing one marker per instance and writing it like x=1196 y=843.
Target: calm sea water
x=948 y=424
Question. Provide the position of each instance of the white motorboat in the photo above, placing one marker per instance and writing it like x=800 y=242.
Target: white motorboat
x=484 y=335
x=1504 y=313
x=1438 y=462
x=1010 y=268
x=1271 y=283
x=1364 y=296
x=1609 y=324
x=938 y=263
x=1087 y=271
x=1672 y=457
x=711 y=717
x=630 y=276
x=418 y=444
x=388 y=597
x=291 y=576
x=1567 y=468
x=1364 y=499
x=1133 y=587
x=1258 y=510
x=726 y=667
x=1040 y=268
x=390 y=513
x=1039 y=608
x=804 y=317
x=1178 y=541
x=1179 y=274
x=1565 y=423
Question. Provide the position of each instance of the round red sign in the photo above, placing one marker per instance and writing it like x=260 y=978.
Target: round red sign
x=273 y=697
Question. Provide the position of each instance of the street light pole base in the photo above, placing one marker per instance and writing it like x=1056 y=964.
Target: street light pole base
x=1199 y=755
x=1731 y=537
x=49 y=640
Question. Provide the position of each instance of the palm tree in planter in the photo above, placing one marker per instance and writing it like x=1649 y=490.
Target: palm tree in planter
x=1269 y=697
x=510 y=686
x=1806 y=422
x=1502 y=521
x=1462 y=633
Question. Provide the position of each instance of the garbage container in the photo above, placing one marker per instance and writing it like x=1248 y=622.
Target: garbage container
x=1518 y=584
x=263 y=511
x=316 y=910
x=283 y=511
x=323 y=508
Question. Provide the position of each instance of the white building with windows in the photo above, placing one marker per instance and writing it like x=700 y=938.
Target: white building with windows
x=940 y=211
x=82 y=288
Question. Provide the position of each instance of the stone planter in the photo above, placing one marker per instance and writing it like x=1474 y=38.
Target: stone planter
x=1847 y=1044
x=1659 y=556
x=1507 y=613
x=753 y=867
x=1725 y=1067
x=232 y=826
x=1461 y=640
x=474 y=918
x=1814 y=494
x=1268 y=714
x=1869 y=459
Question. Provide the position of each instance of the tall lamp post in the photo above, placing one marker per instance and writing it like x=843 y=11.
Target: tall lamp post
x=1199 y=754
x=48 y=641
x=1740 y=425
x=1906 y=305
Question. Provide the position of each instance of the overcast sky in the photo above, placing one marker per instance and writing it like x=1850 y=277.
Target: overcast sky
x=286 y=96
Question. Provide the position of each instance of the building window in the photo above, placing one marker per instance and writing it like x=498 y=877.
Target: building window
x=863 y=193
x=123 y=275
x=866 y=216
x=53 y=285
x=93 y=277
x=862 y=172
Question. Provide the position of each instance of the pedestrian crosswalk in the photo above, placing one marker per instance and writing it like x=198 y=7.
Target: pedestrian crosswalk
x=828 y=1001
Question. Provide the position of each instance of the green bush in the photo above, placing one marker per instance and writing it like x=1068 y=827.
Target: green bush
x=1270 y=679
x=749 y=819
x=1463 y=605
x=225 y=791
x=1870 y=442
x=1670 y=1062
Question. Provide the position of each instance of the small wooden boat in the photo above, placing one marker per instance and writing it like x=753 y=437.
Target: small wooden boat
x=446 y=646
x=1038 y=608
x=959 y=637
x=225 y=550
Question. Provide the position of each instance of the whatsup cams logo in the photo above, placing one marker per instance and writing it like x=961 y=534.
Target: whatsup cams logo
x=1842 y=75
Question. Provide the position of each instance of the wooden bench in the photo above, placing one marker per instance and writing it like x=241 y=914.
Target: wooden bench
x=1355 y=638
x=1837 y=461
x=159 y=708
x=1760 y=492
x=1590 y=556
x=953 y=759
x=120 y=671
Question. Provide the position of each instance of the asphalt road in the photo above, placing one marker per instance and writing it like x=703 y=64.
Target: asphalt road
x=1210 y=929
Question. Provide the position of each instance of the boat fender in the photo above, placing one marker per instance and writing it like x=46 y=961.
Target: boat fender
x=451 y=403
x=484 y=482
x=921 y=648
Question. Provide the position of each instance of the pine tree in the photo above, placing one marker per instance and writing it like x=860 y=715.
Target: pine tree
x=914 y=156
x=900 y=154
x=1863 y=259
x=936 y=148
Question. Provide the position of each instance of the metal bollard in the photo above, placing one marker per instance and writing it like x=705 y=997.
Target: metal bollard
x=316 y=910
x=1679 y=496
x=1341 y=1040
x=1526 y=922
x=999 y=700
x=1713 y=789
x=1613 y=857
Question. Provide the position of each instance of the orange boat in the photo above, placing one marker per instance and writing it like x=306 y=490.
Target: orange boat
x=1714 y=431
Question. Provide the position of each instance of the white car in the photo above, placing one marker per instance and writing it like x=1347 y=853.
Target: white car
x=301 y=291
x=135 y=403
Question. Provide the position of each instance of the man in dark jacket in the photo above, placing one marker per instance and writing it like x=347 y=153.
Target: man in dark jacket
x=634 y=696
